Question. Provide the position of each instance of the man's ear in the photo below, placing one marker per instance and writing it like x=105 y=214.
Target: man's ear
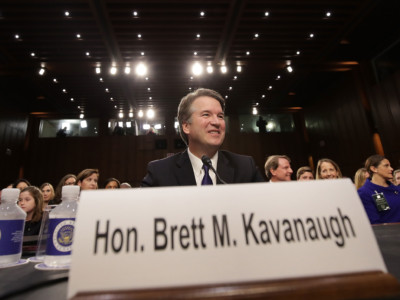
x=79 y=183
x=186 y=127
x=272 y=171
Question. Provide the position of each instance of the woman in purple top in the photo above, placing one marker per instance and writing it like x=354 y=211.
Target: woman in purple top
x=381 y=199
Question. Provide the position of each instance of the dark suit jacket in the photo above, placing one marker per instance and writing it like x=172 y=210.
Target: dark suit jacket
x=177 y=170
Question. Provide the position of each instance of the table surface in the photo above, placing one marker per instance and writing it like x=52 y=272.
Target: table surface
x=25 y=282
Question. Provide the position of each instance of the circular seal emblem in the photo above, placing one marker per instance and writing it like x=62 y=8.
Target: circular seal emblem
x=62 y=236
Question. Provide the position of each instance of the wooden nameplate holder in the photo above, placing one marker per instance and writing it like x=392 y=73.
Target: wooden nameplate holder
x=366 y=285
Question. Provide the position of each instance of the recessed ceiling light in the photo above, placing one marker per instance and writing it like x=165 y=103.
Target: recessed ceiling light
x=210 y=69
x=226 y=96
x=270 y=88
x=198 y=35
x=113 y=70
x=33 y=54
x=139 y=36
x=234 y=77
x=142 y=53
x=98 y=70
x=311 y=35
x=266 y=13
x=127 y=70
x=328 y=14
x=239 y=69
x=72 y=99
x=195 y=53
x=55 y=80
x=64 y=91
x=278 y=77
x=224 y=69
x=131 y=115
x=17 y=36
x=107 y=91
x=230 y=88
x=66 y=13
x=256 y=35
x=298 y=53
x=111 y=99
x=289 y=69
x=42 y=71
x=78 y=36
x=262 y=96
x=101 y=79
x=87 y=53
x=247 y=52
x=202 y=14
x=135 y=13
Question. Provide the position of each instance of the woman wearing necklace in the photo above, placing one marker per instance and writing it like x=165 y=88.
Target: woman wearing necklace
x=381 y=198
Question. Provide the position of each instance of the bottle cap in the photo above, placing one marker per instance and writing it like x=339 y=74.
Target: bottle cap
x=70 y=191
x=10 y=194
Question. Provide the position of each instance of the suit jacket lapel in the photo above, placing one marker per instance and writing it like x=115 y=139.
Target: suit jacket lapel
x=224 y=169
x=185 y=175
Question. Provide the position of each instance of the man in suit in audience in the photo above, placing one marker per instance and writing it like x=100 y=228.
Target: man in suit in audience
x=202 y=127
x=277 y=168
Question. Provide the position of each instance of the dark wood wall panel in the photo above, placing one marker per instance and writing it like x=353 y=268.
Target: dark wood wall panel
x=385 y=101
x=337 y=126
x=12 y=138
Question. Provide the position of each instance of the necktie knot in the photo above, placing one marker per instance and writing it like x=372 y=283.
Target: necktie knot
x=206 y=179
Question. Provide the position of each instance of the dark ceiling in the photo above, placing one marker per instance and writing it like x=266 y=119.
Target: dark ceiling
x=356 y=30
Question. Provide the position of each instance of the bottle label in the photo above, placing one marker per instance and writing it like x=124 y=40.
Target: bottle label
x=59 y=240
x=11 y=236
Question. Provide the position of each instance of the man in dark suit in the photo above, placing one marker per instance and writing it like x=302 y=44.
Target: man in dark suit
x=202 y=128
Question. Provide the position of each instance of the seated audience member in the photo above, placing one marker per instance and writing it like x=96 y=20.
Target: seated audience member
x=31 y=201
x=48 y=193
x=21 y=184
x=125 y=185
x=360 y=177
x=69 y=179
x=112 y=183
x=381 y=198
x=201 y=117
x=277 y=168
x=328 y=169
x=396 y=177
x=88 y=179
x=305 y=173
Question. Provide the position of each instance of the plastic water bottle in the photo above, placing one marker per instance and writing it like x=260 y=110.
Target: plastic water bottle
x=61 y=228
x=12 y=223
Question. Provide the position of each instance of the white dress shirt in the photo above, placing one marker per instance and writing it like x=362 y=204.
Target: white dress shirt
x=198 y=170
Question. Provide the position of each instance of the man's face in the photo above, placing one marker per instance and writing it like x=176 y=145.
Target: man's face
x=206 y=126
x=283 y=172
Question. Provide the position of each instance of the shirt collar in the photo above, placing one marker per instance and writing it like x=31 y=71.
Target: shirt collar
x=197 y=163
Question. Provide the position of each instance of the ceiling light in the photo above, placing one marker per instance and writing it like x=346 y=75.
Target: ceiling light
x=140 y=114
x=78 y=36
x=278 y=77
x=127 y=70
x=263 y=96
x=311 y=35
x=135 y=13
x=55 y=80
x=83 y=124
x=149 y=89
x=194 y=53
x=131 y=115
x=141 y=69
x=202 y=14
x=147 y=78
x=298 y=53
x=121 y=124
x=115 y=107
x=64 y=91
x=139 y=36
x=256 y=35
x=224 y=69
x=16 y=36
x=328 y=14
x=101 y=79
x=210 y=69
x=42 y=71
x=157 y=126
x=230 y=88
x=289 y=69
x=255 y=112
x=98 y=70
x=197 y=69
x=150 y=98
x=33 y=54
x=198 y=35
x=66 y=13
x=72 y=99
x=266 y=13
x=234 y=77
x=150 y=113
x=247 y=52
x=111 y=99
x=128 y=124
x=107 y=91
x=120 y=115
x=239 y=69
x=113 y=70
x=226 y=96
x=87 y=53
x=81 y=116
x=142 y=53
x=270 y=88
x=146 y=126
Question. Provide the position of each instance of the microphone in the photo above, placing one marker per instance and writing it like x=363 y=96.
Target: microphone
x=207 y=161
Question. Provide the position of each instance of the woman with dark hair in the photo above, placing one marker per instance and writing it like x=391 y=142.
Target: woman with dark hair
x=381 y=198
x=88 y=179
x=69 y=179
x=328 y=169
x=21 y=184
x=112 y=183
x=31 y=201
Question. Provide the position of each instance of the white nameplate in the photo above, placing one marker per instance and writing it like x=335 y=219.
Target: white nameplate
x=180 y=236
